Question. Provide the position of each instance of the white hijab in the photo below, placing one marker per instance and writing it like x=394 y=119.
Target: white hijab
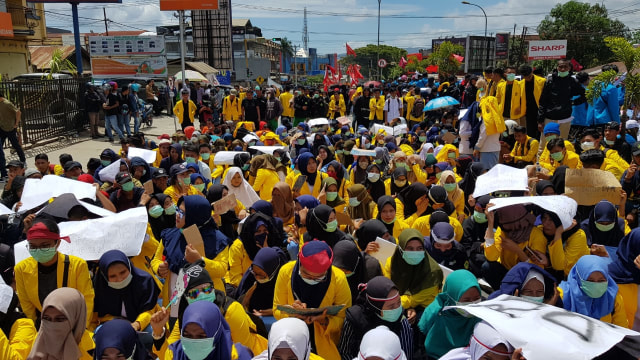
x=425 y=150
x=381 y=342
x=291 y=333
x=244 y=192
x=484 y=338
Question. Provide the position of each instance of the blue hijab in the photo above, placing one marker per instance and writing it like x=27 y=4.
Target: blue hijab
x=139 y=296
x=307 y=201
x=623 y=270
x=119 y=334
x=269 y=259
x=303 y=160
x=576 y=300
x=514 y=280
x=198 y=212
x=207 y=315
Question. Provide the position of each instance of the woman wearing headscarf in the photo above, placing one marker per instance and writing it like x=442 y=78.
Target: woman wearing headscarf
x=358 y=173
x=199 y=182
x=382 y=158
x=454 y=193
x=173 y=253
x=389 y=216
x=322 y=225
x=336 y=171
x=604 y=226
x=282 y=201
x=117 y=339
x=361 y=206
x=565 y=246
x=448 y=329
x=162 y=213
x=545 y=187
x=381 y=343
x=299 y=143
x=308 y=167
x=558 y=179
x=123 y=291
x=449 y=154
x=468 y=182
x=396 y=182
x=377 y=304
x=412 y=202
x=375 y=183
x=444 y=249
x=624 y=271
x=324 y=157
x=312 y=282
x=531 y=282
x=266 y=176
x=242 y=161
x=330 y=195
x=417 y=276
x=590 y=291
x=347 y=159
x=318 y=141
x=226 y=222
x=486 y=343
x=237 y=185
x=180 y=183
x=288 y=339
x=175 y=157
x=17 y=333
x=205 y=335
x=63 y=333
x=348 y=258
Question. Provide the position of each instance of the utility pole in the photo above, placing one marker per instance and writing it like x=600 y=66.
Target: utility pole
x=295 y=65
x=379 y=68
x=106 y=29
x=182 y=47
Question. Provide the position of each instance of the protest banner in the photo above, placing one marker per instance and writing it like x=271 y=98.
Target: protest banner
x=361 y=152
x=267 y=149
x=501 y=178
x=147 y=155
x=590 y=186
x=561 y=205
x=318 y=122
x=226 y=157
x=38 y=191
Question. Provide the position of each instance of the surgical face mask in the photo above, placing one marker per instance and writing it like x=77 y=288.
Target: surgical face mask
x=588 y=145
x=332 y=195
x=373 y=177
x=449 y=187
x=353 y=202
x=465 y=303
x=186 y=181
x=438 y=175
x=400 y=183
x=128 y=186
x=605 y=228
x=190 y=160
x=156 y=211
x=246 y=167
x=390 y=222
x=557 y=156
x=481 y=89
x=363 y=165
x=537 y=299
x=422 y=138
x=278 y=158
x=339 y=152
x=451 y=155
x=331 y=226
x=347 y=133
x=211 y=297
x=197 y=349
x=205 y=156
x=413 y=257
x=227 y=131
x=550 y=137
x=300 y=141
x=121 y=284
x=312 y=281
x=511 y=77
x=171 y=210
x=479 y=217
x=105 y=162
x=43 y=255
x=592 y=289
x=391 y=315
x=563 y=73
x=367 y=146
x=609 y=142
x=200 y=187
x=378 y=161
x=181 y=142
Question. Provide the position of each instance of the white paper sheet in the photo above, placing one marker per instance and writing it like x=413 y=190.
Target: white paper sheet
x=226 y=157
x=362 y=152
x=561 y=205
x=5 y=210
x=36 y=192
x=395 y=131
x=318 y=122
x=386 y=249
x=249 y=137
x=148 y=155
x=501 y=177
x=109 y=173
x=6 y=295
x=267 y=149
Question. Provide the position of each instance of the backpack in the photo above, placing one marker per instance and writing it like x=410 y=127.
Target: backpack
x=418 y=106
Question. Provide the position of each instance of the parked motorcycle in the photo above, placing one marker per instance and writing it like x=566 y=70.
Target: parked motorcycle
x=146 y=113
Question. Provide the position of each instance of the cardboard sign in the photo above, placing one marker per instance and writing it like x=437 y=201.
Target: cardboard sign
x=148 y=187
x=343 y=120
x=344 y=219
x=590 y=186
x=225 y=204
x=448 y=138
x=194 y=238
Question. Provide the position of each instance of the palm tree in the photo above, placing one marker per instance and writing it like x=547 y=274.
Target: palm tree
x=286 y=47
x=58 y=64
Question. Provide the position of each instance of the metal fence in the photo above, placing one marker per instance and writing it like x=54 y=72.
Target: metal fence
x=50 y=108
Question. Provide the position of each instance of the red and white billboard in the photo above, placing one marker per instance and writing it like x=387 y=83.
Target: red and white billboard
x=547 y=49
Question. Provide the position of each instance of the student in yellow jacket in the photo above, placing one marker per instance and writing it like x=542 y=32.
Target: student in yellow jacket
x=552 y=131
x=285 y=100
x=411 y=98
x=231 y=107
x=565 y=246
x=47 y=270
x=336 y=107
x=308 y=167
x=524 y=150
x=312 y=282
x=179 y=110
x=511 y=91
x=560 y=156
x=266 y=175
x=180 y=183
x=423 y=223
x=387 y=212
x=376 y=106
x=17 y=343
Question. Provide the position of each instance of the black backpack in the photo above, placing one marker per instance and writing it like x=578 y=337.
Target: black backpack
x=418 y=106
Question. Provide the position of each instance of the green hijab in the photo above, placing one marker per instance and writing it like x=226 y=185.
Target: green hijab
x=413 y=278
x=328 y=181
x=446 y=330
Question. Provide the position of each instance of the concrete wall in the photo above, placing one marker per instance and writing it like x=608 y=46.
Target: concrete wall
x=14 y=58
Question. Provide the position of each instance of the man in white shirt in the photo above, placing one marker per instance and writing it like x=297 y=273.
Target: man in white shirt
x=392 y=107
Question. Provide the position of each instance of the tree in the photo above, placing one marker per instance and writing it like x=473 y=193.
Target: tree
x=367 y=57
x=584 y=26
x=286 y=47
x=59 y=64
x=443 y=57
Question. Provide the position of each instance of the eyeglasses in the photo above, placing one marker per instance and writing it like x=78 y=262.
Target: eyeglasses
x=192 y=294
x=41 y=247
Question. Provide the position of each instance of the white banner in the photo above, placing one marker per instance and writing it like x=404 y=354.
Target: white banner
x=38 y=191
x=362 y=152
x=563 y=206
x=395 y=131
x=547 y=49
x=548 y=332
x=318 y=122
x=267 y=149
x=501 y=177
x=226 y=157
x=148 y=155
x=109 y=173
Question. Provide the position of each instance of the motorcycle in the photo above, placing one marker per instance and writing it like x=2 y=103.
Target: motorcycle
x=146 y=112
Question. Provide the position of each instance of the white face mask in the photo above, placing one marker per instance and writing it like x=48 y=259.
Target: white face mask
x=121 y=284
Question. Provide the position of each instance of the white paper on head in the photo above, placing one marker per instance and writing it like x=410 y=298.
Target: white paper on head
x=318 y=122
x=563 y=206
x=226 y=157
x=5 y=210
x=109 y=173
x=148 y=155
x=249 y=137
x=6 y=295
x=385 y=250
x=267 y=149
x=501 y=178
x=38 y=191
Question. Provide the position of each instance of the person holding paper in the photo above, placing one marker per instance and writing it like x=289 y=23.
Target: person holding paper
x=180 y=184
x=47 y=270
x=417 y=276
x=565 y=246
x=235 y=182
x=17 y=333
x=312 y=282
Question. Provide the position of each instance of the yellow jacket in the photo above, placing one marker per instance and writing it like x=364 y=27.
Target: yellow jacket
x=265 y=181
x=491 y=115
x=422 y=225
x=231 y=110
x=571 y=159
x=564 y=256
x=376 y=108
x=614 y=157
x=178 y=110
x=175 y=195
x=629 y=293
x=526 y=152
x=493 y=87
x=239 y=263
x=545 y=157
x=287 y=109
x=156 y=163
x=537 y=241
x=410 y=101
x=27 y=283
x=338 y=293
x=537 y=92
x=333 y=107
x=618 y=316
x=610 y=166
x=304 y=190
x=20 y=341
x=516 y=99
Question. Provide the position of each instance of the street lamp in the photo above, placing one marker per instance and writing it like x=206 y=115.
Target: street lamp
x=486 y=46
x=379 y=68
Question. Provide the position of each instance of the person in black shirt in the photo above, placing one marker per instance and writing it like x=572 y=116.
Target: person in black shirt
x=301 y=107
x=93 y=103
x=261 y=99
x=613 y=140
x=361 y=108
x=251 y=109
x=111 y=110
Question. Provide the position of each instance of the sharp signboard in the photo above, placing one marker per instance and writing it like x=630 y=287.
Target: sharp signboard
x=547 y=49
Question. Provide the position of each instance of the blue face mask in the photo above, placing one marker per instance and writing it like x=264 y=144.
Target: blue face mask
x=197 y=349
x=391 y=315
x=413 y=257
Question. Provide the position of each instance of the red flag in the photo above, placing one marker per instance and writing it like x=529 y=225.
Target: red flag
x=458 y=57
x=576 y=65
x=402 y=63
x=350 y=51
x=326 y=82
x=357 y=72
x=432 y=69
x=417 y=56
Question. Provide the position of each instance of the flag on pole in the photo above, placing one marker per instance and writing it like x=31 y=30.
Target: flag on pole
x=402 y=63
x=432 y=69
x=576 y=65
x=350 y=50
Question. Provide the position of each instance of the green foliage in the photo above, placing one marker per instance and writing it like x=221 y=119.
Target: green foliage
x=443 y=57
x=367 y=58
x=286 y=47
x=623 y=51
x=584 y=26
x=312 y=80
x=598 y=83
x=59 y=64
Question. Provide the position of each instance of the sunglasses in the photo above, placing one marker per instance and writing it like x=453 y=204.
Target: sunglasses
x=192 y=294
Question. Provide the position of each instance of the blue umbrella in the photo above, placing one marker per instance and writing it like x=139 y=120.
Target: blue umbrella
x=440 y=102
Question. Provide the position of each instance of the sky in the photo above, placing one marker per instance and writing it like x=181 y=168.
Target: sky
x=331 y=24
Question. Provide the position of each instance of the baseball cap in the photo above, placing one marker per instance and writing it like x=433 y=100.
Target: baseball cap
x=551 y=128
x=164 y=136
x=632 y=124
x=30 y=172
x=123 y=177
x=234 y=92
x=72 y=165
x=160 y=172
x=636 y=148
x=15 y=163
x=177 y=169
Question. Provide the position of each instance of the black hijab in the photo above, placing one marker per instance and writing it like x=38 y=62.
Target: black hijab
x=468 y=182
x=270 y=260
x=347 y=256
x=384 y=200
x=163 y=221
x=317 y=219
x=409 y=195
x=396 y=174
x=376 y=189
x=247 y=235
x=369 y=231
x=558 y=179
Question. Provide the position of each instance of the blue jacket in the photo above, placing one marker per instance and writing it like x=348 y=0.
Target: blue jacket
x=133 y=103
x=580 y=111
x=605 y=108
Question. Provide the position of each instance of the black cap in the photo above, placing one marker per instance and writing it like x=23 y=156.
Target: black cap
x=612 y=125
x=177 y=169
x=70 y=165
x=160 y=172
x=636 y=148
x=15 y=163
x=196 y=275
x=123 y=177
